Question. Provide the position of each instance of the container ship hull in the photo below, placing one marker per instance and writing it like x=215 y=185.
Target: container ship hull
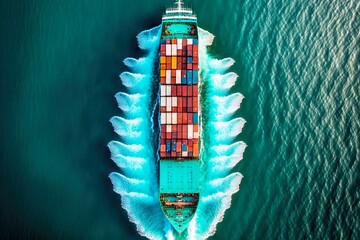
x=179 y=168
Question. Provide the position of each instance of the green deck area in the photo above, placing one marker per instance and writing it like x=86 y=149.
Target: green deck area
x=179 y=29
x=179 y=176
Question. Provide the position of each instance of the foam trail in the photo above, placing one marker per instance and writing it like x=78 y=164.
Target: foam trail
x=226 y=106
x=219 y=153
x=130 y=104
x=228 y=130
x=134 y=154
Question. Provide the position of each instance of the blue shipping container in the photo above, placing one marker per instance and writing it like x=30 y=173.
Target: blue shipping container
x=184 y=147
x=189 y=60
x=168 y=146
x=195 y=118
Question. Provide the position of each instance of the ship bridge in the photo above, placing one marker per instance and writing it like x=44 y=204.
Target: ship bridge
x=179 y=22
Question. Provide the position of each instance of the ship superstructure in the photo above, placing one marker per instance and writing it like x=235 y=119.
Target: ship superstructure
x=179 y=116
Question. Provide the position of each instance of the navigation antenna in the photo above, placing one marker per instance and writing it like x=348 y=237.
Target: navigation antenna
x=179 y=3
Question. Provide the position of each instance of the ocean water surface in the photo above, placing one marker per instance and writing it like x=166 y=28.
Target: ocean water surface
x=298 y=69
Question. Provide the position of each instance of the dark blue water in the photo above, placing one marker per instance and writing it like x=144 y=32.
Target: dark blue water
x=298 y=66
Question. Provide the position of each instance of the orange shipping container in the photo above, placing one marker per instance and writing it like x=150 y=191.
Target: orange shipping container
x=162 y=148
x=179 y=120
x=173 y=41
x=196 y=128
x=196 y=150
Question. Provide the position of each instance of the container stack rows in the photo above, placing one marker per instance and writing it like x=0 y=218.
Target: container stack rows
x=179 y=101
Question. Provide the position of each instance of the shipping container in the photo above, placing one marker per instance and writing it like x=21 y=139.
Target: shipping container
x=168 y=118
x=163 y=118
x=168 y=90
x=179 y=43
x=174 y=118
x=174 y=49
x=178 y=76
x=178 y=91
x=173 y=62
x=190 y=41
x=174 y=100
x=168 y=50
x=168 y=76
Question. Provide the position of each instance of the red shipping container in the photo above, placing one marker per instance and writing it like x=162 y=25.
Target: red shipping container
x=190 y=118
x=196 y=101
x=185 y=117
x=174 y=135
x=184 y=102
x=190 y=101
x=162 y=80
x=183 y=73
x=173 y=90
x=168 y=61
x=190 y=142
x=184 y=92
x=173 y=73
x=178 y=146
x=184 y=60
x=195 y=89
x=190 y=47
x=168 y=66
x=163 y=128
x=163 y=109
x=180 y=102
x=179 y=52
x=168 y=135
x=195 y=67
x=190 y=91
x=179 y=66
x=174 y=109
x=168 y=41
x=178 y=90
x=195 y=60
x=185 y=132
x=174 y=128
x=189 y=66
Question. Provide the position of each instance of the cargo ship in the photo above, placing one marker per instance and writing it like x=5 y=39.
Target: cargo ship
x=179 y=168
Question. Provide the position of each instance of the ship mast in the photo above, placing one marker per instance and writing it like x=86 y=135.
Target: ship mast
x=179 y=3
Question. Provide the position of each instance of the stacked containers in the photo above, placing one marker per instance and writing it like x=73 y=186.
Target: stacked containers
x=179 y=98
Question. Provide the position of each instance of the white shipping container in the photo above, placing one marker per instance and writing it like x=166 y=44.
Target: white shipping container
x=168 y=90
x=179 y=44
x=168 y=128
x=168 y=76
x=178 y=76
x=184 y=154
x=190 y=131
x=174 y=118
x=196 y=134
x=162 y=90
x=174 y=49
x=190 y=41
x=168 y=104
x=168 y=118
x=163 y=101
x=163 y=118
x=168 y=50
x=174 y=101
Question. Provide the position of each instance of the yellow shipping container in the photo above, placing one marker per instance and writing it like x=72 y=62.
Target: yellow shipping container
x=162 y=73
x=173 y=62
x=162 y=59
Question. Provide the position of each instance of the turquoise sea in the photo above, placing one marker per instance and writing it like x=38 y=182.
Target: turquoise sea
x=299 y=70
